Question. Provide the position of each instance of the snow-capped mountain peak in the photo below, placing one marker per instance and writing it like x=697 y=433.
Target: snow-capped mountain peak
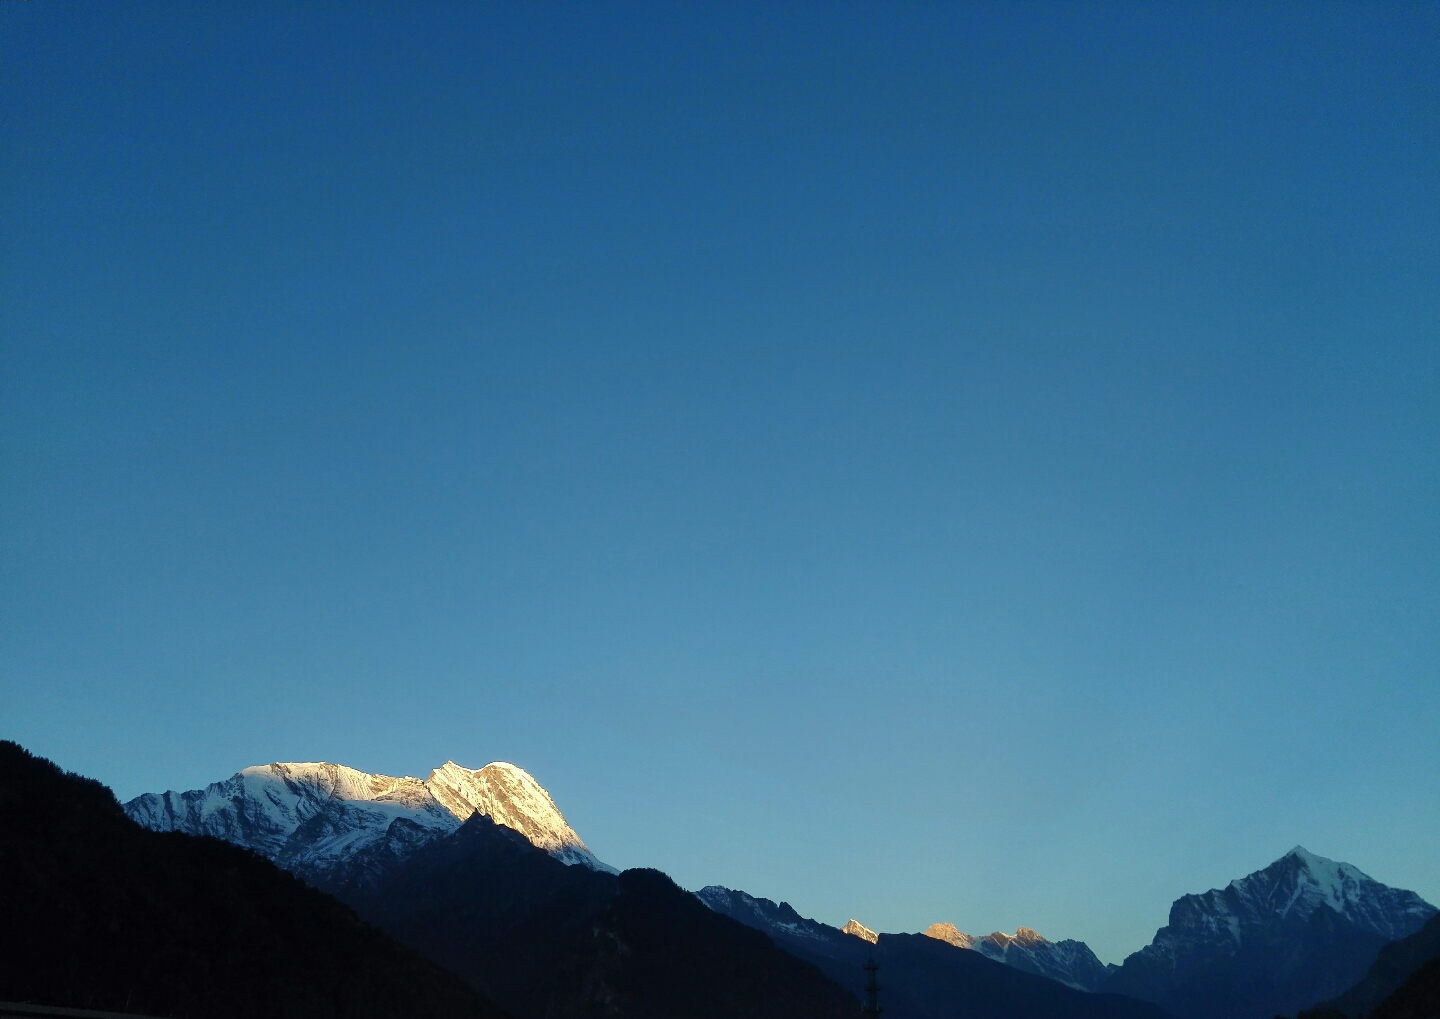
x=1319 y=881
x=332 y=824
x=1296 y=885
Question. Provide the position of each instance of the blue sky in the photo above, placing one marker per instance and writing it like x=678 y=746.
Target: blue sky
x=928 y=462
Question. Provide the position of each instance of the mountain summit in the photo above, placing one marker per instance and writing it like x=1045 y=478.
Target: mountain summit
x=336 y=826
x=1299 y=931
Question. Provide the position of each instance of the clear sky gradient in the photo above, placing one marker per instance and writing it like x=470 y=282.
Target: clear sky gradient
x=920 y=462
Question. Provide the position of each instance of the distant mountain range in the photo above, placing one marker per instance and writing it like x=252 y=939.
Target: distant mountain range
x=924 y=977
x=1297 y=932
x=421 y=859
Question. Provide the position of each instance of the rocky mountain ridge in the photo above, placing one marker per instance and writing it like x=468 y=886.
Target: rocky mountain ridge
x=1070 y=962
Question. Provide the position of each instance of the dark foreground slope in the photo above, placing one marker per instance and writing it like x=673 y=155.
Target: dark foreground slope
x=923 y=977
x=100 y=913
x=1402 y=983
x=1417 y=998
x=546 y=940
x=1391 y=970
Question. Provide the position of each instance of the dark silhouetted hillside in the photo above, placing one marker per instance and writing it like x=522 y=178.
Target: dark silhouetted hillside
x=546 y=940
x=100 y=913
x=1390 y=970
x=1417 y=998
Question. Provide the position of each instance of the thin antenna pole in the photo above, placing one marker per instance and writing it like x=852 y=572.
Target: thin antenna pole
x=872 y=989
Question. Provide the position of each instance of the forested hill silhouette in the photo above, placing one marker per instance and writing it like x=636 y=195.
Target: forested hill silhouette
x=546 y=940
x=100 y=913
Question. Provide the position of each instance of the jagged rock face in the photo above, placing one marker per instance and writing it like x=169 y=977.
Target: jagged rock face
x=1070 y=962
x=1300 y=931
x=338 y=827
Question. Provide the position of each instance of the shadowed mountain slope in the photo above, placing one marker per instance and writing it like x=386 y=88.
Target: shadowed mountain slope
x=101 y=913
